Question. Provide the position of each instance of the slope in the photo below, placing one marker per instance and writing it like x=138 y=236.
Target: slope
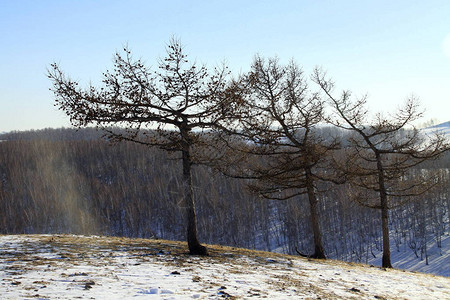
x=69 y=266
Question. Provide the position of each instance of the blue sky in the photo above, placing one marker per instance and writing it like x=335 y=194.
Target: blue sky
x=387 y=49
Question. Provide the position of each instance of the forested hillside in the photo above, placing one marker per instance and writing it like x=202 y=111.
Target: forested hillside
x=67 y=181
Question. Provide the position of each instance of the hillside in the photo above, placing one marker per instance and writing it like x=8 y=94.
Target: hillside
x=68 y=181
x=70 y=266
x=442 y=128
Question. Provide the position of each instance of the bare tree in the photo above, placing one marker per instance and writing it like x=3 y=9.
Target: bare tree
x=284 y=155
x=168 y=108
x=382 y=153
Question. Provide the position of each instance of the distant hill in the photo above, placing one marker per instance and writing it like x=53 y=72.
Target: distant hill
x=53 y=134
x=439 y=128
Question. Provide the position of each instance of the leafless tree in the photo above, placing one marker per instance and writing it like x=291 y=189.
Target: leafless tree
x=168 y=108
x=382 y=153
x=282 y=151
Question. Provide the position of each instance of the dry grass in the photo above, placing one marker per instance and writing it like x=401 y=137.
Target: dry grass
x=68 y=255
x=77 y=247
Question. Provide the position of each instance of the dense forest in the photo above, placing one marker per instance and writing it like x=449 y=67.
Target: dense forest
x=74 y=181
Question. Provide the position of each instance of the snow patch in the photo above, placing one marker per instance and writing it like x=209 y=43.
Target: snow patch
x=118 y=268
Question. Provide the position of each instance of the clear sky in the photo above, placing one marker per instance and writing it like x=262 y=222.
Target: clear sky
x=387 y=49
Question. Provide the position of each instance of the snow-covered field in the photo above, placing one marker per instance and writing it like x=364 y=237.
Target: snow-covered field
x=92 y=267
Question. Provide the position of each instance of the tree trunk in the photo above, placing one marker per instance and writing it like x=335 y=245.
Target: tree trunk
x=318 y=246
x=386 y=260
x=195 y=248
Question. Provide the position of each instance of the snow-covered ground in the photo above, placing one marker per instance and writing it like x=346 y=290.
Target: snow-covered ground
x=404 y=258
x=443 y=128
x=92 y=267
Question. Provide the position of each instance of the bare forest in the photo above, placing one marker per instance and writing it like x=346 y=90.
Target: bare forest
x=74 y=181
